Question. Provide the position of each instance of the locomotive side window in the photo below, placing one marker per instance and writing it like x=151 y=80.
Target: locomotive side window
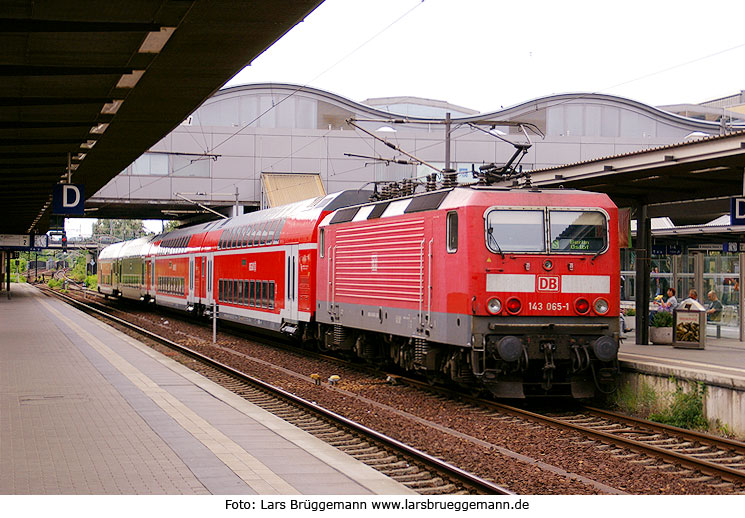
x=452 y=232
x=322 y=241
x=575 y=231
x=515 y=231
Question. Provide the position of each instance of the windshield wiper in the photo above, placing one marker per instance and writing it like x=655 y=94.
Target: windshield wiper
x=491 y=235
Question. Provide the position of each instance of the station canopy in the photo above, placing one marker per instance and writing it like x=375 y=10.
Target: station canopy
x=690 y=182
x=101 y=82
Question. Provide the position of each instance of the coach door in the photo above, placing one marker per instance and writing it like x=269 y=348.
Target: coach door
x=198 y=278
x=151 y=269
x=190 y=298
x=209 y=271
x=291 y=283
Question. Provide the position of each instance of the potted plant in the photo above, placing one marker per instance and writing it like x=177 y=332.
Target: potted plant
x=661 y=328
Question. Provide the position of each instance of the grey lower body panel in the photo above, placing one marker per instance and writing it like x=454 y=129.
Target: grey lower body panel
x=435 y=327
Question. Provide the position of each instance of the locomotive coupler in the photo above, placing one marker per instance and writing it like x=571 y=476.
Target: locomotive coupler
x=548 y=368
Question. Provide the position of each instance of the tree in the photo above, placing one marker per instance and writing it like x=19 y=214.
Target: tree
x=119 y=229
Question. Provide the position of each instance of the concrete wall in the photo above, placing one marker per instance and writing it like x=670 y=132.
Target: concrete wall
x=720 y=402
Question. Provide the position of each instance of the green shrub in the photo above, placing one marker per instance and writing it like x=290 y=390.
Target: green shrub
x=686 y=409
x=631 y=312
x=662 y=319
x=54 y=284
x=91 y=282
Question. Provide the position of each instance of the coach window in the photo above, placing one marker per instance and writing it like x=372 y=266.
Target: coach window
x=235 y=292
x=262 y=236
x=271 y=294
x=264 y=294
x=452 y=232
x=252 y=295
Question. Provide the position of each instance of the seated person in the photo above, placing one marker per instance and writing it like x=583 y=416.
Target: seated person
x=671 y=303
x=714 y=309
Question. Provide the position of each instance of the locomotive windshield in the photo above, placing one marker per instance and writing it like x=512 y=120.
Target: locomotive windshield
x=577 y=231
x=515 y=231
x=524 y=230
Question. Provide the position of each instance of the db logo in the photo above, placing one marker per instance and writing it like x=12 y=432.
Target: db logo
x=548 y=284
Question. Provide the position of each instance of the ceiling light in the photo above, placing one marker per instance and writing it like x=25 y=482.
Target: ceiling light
x=710 y=169
x=130 y=80
x=112 y=107
x=99 y=128
x=155 y=41
x=88 y=144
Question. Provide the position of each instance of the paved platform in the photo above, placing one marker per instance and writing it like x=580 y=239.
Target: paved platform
x=85 y=409
x=721 y=363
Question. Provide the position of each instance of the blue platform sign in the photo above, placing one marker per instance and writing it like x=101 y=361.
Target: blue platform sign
x=68 y=198
x=737 y=211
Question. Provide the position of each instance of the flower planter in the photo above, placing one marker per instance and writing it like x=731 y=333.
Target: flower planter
x=661 y=335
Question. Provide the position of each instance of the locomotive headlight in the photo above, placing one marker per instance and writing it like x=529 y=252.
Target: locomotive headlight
x=605 y=348
x=581 y=306
x=514 y=306
x=494 y=306
x=601 y=306
x=548 y=264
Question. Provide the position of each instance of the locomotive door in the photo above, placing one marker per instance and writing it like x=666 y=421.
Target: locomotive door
x=291 y=282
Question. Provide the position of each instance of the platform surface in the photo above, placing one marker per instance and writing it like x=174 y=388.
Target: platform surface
x=85 y=409
x=721 y=362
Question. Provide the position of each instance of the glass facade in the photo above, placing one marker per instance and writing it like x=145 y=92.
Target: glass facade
x=720 y=273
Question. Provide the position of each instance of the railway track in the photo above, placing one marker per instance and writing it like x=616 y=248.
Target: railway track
x=420 y=472
x=694 y=455
x=716 y=463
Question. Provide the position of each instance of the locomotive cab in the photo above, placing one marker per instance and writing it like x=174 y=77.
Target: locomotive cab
x=550 y=320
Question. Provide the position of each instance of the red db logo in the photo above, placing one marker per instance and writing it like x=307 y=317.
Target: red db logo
x=548 y=284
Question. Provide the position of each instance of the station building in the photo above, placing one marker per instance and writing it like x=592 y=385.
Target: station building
x=262 y=145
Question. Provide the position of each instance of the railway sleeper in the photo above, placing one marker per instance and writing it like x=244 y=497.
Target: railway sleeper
x=405 y=469
x=380 y=461
x=359 y=451
x=448 y=489
x=711 y=455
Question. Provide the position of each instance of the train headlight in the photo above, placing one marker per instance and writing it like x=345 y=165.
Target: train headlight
x=513 y=306
x=601 y=306
x=605 y=348
x=510 y=348
x=581 y=306
x=494 y=306
x=548 y=264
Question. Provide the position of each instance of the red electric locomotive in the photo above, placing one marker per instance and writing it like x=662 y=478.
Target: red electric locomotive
x=514 y=291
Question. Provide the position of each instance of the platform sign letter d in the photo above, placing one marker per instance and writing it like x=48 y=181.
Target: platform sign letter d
x=68 y=199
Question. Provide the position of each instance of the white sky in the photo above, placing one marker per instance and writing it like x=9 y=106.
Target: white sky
x=484 y=54
x=488 y=54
